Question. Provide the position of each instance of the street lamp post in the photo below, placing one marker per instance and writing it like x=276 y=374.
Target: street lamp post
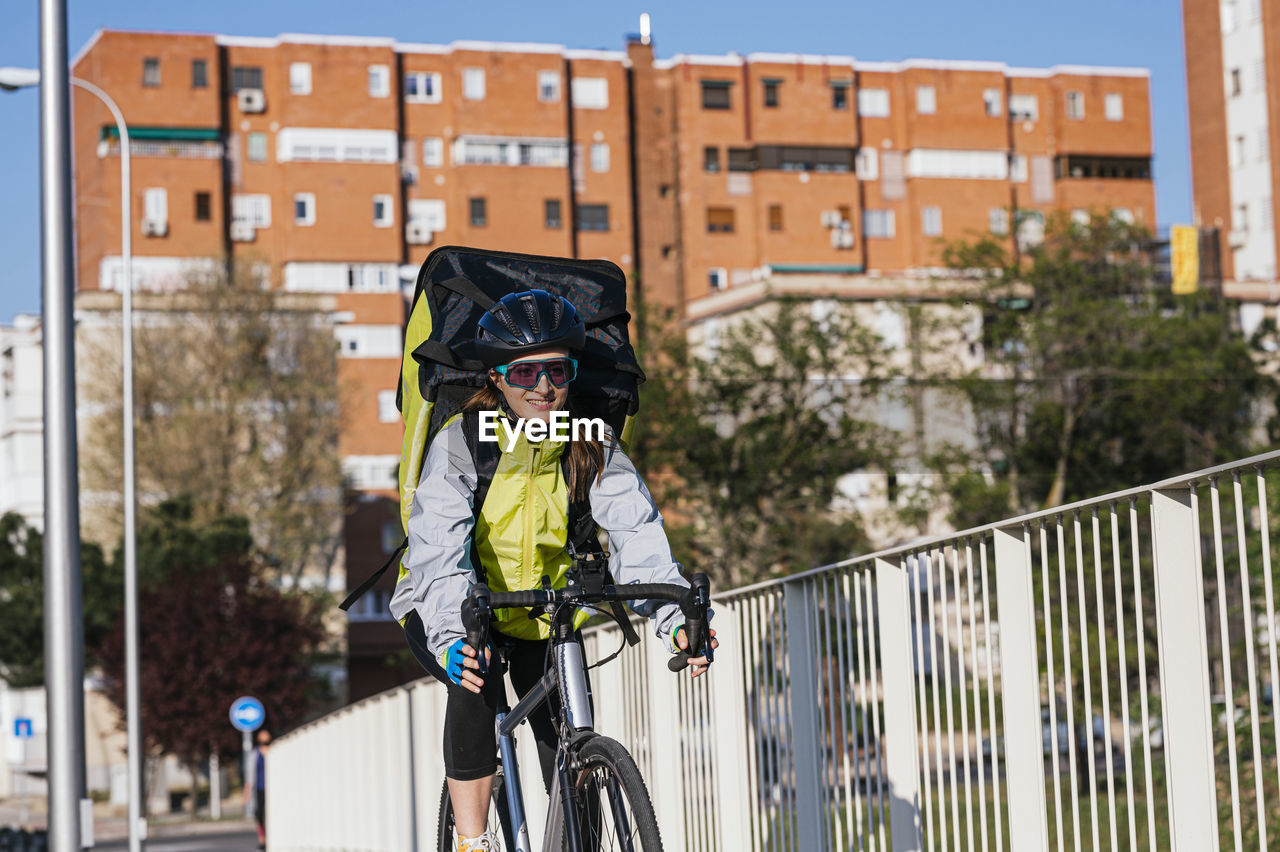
x=15 y=78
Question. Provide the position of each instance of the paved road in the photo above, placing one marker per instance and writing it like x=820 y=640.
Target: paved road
x=240 y=841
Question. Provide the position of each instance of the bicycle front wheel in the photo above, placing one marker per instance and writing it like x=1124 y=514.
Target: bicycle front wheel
x=614 y=811
x=498 y=822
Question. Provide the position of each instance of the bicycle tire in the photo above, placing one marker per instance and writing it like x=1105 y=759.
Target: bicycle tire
x=498 y=821
x=605 y=766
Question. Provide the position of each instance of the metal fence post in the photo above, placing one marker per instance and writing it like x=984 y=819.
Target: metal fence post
x=666 y=788
x=897 y=673
x=811 y=822
x=1184 y=684
x=1020 y=686
x=729 y=728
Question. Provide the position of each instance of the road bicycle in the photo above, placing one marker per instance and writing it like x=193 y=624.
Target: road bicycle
x=598 y=799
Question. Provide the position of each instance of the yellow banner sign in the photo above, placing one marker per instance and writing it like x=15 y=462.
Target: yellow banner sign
x=1184 y=248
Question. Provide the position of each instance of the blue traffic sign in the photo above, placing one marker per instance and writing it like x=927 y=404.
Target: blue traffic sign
x=23 y=729
x=247 y=714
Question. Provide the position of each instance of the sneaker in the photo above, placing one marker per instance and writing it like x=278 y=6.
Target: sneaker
x=484 y=843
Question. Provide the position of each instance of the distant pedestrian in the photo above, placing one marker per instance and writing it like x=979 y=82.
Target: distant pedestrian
x=256 y=784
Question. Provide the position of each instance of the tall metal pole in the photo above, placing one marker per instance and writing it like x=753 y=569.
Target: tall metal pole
x=133 y=714
x=63 y=628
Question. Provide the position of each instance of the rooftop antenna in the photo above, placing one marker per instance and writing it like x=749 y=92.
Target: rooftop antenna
x=645 y=28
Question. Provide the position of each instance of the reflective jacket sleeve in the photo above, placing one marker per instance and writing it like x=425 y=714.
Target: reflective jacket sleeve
x=441 y=524
x=638 y=548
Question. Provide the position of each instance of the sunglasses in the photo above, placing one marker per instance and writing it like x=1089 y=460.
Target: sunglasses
x=527 y=374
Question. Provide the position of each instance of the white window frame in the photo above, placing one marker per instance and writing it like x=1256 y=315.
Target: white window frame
x=931 y=221
x=991 y=102
x=252 y=208
x=600 y=157
x=300 y=78
x=718 y=278
x=1125 y=215
x=998 y=221
x=336 y=145
x=431 y=212
x=473 y=84
x=885 y=218
x=379 y=81
x=1024 y=107
x=926 y=100
x=248 y=147
x=589 y=92
x=1113 y=105
x=1018 y=168
x=1075 y=105
x=549 y=87
x=433 y=151
x=308 y=200
x=867 y=163
x=388 y=217
x=423 y=81
x=155 y=204
x=387 y=411
x=873 y=103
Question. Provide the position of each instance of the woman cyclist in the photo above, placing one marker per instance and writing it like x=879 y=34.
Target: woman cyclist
x=518 y=535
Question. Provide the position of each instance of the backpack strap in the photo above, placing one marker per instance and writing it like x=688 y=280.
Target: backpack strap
x=373 y=578
x=485 y=456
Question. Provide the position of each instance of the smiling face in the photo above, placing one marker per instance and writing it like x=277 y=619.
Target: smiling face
x=538 y=403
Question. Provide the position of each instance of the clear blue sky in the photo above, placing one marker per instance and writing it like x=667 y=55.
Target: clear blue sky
x=1144 y=33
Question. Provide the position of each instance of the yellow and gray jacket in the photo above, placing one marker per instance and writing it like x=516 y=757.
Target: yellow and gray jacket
x=520 y=533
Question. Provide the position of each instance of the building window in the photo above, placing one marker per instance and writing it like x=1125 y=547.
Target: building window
x=384 y=212
x=998 y=221
x=1113 y=104
x=379 y=81
x=590 y=93
x=873 y=103
x=718 y=277
x=246 y=77
x=878 y=224
x=711 y=159
x=771 y=92
x=551 y=213
x=931 y=221
x=1024 y=107
x=433 y=151
x=1236 y=88
x=155 y=205
x=742 y=160
x=300 y=78
x=479 y=212
x=1018 y=168
x=775 y=217
x=593 y=217
x=473 y=84
x=600 y=157
x=991 y=102
x=199 y=74
x=840 y=95
x=867 y=164
x=204 y=207
x=549 y=86
x=256 y=146
x=926 y=100
x=252 y=209
x=304 y=208
x=716 y=94
x=1075 y=105
x=430 y=212
x=719 y=220
x=151 y=72
x=422 y=87
x=387 y=413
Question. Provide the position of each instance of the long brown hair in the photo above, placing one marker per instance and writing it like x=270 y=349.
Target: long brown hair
x=584 y=459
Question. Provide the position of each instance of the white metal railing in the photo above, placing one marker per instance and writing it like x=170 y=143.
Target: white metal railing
x=1086 y=677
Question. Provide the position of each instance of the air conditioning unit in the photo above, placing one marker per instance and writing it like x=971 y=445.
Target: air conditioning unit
x=830 y=218
x=841 y=239
x=252 y=100
x=243 y=232
x=155 y=227
x=418 y=234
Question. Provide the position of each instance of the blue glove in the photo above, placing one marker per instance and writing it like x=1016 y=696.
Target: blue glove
x=452 y=661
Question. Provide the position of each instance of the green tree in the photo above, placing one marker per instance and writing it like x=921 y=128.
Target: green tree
x=211 y=629
x=744 y=442
x=22 y=601
x=1095 y=377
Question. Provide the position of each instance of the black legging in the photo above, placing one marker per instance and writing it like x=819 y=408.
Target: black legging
x=470 y=743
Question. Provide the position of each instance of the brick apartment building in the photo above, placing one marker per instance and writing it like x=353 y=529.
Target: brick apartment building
x=713 y=180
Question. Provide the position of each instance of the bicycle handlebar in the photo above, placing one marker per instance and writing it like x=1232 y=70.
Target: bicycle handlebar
x=693 y=600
